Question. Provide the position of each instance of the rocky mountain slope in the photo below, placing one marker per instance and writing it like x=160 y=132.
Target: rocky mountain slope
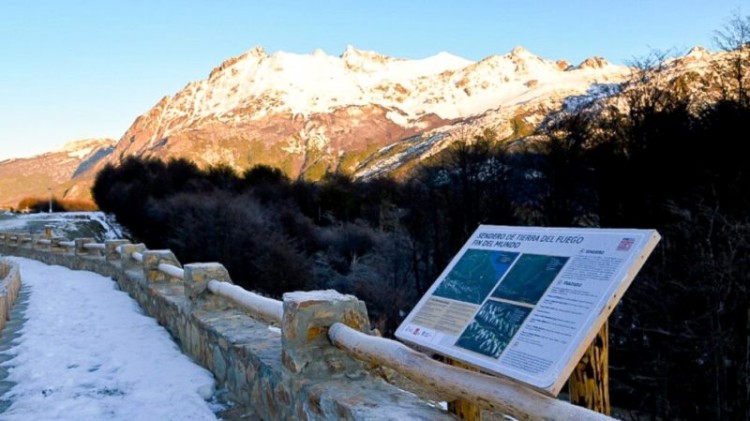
x=362 y=113
x=308 y=114
x=63 y=171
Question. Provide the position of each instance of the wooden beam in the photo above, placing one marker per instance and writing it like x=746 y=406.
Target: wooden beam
x=497 y=394
x=588 y=385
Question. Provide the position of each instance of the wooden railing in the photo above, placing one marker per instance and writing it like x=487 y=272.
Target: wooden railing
x=271 y=309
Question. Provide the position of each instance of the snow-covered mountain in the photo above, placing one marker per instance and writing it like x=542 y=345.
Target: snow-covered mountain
x=303 y=85
x=314 y=113
x=362 y=113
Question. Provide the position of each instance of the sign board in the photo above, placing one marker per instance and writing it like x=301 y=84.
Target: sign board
x=526 y=302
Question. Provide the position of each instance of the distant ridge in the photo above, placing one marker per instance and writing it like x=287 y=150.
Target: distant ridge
x=56 y=170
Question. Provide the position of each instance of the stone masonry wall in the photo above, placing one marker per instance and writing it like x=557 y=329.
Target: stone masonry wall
x=245 y=355
x=10 y=285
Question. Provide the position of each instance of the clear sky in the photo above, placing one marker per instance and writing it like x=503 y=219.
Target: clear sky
x=74 y=69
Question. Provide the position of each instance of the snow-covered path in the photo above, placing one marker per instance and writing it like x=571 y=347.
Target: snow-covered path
x=87 y=352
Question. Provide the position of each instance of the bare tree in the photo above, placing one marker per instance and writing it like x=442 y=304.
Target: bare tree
x=734 y=38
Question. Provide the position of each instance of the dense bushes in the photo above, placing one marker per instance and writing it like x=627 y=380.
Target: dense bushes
x=272 y=234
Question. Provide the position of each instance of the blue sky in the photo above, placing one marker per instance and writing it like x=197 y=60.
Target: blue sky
x=74 y=69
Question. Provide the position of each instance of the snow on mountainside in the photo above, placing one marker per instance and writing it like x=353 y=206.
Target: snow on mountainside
x=448 y=86
x=82 y=148
x=312 y=113
x=361 y=113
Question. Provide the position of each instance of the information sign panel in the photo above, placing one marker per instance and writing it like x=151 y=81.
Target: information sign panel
x=525 y=302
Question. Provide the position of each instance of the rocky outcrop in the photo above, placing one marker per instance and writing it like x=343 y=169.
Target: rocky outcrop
x=593 y=63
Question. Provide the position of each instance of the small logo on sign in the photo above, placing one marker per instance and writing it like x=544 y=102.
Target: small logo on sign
x=625 y=244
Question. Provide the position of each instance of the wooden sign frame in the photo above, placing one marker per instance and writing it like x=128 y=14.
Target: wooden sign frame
x=526 y=302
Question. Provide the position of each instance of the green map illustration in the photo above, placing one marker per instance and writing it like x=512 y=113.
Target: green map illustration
x=492 y=328
x=529 y=278
x=474 y=275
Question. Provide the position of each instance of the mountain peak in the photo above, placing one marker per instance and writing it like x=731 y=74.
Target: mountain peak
x=256 y=53
x=352 y=53
x=698 y=52
x=350 y=50
x=522 y=53
x=594 y=62
x=363 y=60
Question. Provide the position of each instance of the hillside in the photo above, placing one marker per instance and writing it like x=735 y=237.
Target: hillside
x=63 y=171
x=308 y=114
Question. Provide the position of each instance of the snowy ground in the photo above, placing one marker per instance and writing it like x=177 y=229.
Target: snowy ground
x=97 y=225
x=86 y=352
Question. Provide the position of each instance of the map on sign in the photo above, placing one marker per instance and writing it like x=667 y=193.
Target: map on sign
x=525 y=302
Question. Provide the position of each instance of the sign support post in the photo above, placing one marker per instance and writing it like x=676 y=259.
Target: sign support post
x=588 y=385
x=462 y=409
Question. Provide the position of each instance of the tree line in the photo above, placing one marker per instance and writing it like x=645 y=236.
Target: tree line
x=53 y=204
x=665 y=159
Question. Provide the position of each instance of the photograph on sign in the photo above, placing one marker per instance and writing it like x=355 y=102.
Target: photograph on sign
x=524 y=302
x=493 y=327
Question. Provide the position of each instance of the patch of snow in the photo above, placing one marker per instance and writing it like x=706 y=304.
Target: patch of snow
x=444 y=84
x=397 y=118
x=418 y=146
x=112 y=230
x=698 y=52
x=81 y=148
x=324 y=295
x=81 y=153
x=269 y=307
x=595 y=93
x=86 y=352
x=64 y=222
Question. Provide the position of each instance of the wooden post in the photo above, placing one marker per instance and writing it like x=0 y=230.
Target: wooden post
x=463 y=409
x=588 y=385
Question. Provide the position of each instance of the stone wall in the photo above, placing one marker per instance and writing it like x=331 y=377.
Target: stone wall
x=10 y=285
x=288 y=372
